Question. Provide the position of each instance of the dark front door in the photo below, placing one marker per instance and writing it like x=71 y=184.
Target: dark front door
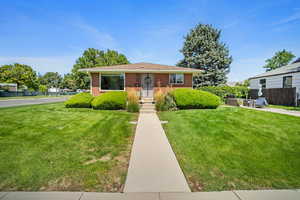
x=147 y=83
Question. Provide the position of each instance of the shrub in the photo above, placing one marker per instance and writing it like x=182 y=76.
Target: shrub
x=186 y=98
x=132 y=101
x=160 y=101
x=227 y=91
x=81 y=100
x=115 y=100
x=164 y=101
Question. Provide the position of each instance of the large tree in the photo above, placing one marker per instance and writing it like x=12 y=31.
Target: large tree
x=203 y=50
x=280 y=59
x=95 y=58
x=22 y=75
x=51 y=79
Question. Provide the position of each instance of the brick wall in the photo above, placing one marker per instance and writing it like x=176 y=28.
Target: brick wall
x=133 y=80
x=95 y=84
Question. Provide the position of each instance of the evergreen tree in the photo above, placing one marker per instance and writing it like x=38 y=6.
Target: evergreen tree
x=203 y=50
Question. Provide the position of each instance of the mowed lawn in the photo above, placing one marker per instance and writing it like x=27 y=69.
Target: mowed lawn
x=53 y=148
x=234 y=148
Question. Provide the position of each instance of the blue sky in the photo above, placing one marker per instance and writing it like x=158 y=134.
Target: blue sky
x=51 y=35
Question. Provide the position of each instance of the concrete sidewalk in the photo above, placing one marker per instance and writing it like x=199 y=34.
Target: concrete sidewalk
x=153 y=166
x=225 y=195
x=276 y=110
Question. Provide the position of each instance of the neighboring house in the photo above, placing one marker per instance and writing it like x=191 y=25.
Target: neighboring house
x=53 y=89
x=11 y=87
x=145 y=78
x=284 y=77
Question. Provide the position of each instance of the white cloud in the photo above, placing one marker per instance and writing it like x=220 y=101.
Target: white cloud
x=291 y=18
x=101 y=39
x=61 y=64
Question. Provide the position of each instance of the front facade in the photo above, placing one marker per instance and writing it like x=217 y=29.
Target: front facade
x=145 y=78
x=283 y=77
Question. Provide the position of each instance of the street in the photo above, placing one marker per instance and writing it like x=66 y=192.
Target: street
x=21 y=102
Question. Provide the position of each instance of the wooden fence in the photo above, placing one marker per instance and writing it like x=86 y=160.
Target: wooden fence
x=277 y=96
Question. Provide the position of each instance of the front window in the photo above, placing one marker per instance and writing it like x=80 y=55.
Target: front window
x=287 y=81
x=262 y=82
x=112 y=82
x=176 y=78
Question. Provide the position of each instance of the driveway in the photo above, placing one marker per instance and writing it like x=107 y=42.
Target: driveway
x=21 y=102
x=276 y=110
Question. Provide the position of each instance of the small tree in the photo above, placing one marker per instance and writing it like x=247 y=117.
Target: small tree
x=95 y=58
x=245 y=83
x=69 y=82
x=280 y=59
x=203 y=50
x=43 y=89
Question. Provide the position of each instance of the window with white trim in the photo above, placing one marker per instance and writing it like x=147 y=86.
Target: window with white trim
x=176 y=78
x=112 y=81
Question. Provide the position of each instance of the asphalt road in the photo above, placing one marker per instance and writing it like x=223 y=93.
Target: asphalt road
x=21 y=102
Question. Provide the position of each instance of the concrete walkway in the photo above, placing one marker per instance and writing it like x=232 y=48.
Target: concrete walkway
x=153 y=166
x=225 y=195
x=22 y=102
x=276 y=110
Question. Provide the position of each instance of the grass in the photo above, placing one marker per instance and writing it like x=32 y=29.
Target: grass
x=234 y=148
x=52 y=148
x=32 y=97
x=285 y=107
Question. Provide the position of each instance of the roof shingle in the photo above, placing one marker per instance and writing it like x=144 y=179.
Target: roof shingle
x=291 y=68
x=141 y=67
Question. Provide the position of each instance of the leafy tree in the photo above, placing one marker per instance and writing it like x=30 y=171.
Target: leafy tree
x=95 y=58
x=280 y=59
x=203 y=50
x=43 y=88
x=69 y=82
x=51 y=79
x=22 y=75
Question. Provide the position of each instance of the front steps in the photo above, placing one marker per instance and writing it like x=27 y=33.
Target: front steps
x=147 y=105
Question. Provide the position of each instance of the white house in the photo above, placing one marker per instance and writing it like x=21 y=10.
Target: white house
x=284 y=77
x=11 y=87
x=53 y=89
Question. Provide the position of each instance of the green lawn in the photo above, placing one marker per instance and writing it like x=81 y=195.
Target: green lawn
x=285 y=107
x=32 y=97
x=235 y=148
x=49 y=147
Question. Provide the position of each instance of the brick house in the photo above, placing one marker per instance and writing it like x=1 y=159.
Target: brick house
x=145 y=78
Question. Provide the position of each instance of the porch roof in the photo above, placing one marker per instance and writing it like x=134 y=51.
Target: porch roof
x=142 y=68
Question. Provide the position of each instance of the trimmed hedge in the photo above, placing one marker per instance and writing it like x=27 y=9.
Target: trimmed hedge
x=227 y=91
x=186 y=98
x=115 y=100
x=81 y=100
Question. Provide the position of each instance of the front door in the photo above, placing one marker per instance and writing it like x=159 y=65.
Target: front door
x=147 y=83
